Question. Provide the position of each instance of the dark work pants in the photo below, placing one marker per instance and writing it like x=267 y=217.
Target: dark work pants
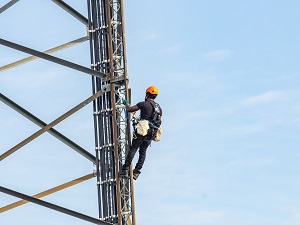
x=141 y=143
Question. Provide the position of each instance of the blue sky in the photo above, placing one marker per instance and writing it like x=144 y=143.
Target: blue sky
x=228 y=79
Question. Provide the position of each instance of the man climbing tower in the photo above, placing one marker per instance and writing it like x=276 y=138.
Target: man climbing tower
x=146 y=131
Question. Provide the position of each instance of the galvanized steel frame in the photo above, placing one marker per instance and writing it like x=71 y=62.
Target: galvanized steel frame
x=112 y=128
x=42 y=124
x=48 y=192
x=8 y=5
x=53 y=206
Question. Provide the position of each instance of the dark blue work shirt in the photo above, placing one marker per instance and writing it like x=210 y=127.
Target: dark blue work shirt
x=146 y=109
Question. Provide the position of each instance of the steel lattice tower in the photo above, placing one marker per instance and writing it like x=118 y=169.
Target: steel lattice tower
x=107 y=43
x=105 y=26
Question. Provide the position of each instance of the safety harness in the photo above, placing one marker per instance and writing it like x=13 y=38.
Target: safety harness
x=148 y=128
x=155 y=120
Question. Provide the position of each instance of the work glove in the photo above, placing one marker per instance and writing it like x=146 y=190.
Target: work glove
x=125 y=102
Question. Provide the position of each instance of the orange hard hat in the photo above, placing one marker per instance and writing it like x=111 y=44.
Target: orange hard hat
x=152 y=90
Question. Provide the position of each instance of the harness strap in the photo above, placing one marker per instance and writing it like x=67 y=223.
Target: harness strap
x=152 y=125
x=153 y=105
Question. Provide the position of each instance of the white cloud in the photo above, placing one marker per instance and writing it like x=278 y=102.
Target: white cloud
x=252 y=115
x=266 y=97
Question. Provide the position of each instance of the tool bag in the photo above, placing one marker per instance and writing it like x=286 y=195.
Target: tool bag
x=142 y=127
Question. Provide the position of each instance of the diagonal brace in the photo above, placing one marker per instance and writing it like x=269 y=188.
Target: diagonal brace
x=51 y=58
x=8 y=5
x=50 y=125
x=52 y=131
x=72 y=11
x=47 y=192
x=52 y=50
x=53 y=206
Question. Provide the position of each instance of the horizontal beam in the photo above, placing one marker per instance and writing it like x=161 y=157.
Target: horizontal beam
x=47 y=192
x=51 y=58
x=50 y=125
x=52 y=50
x=72 y=11
x=53 y=206
x=52 y=131
x=8 y=5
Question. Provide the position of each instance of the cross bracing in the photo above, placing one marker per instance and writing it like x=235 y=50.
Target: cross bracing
x=105 y=32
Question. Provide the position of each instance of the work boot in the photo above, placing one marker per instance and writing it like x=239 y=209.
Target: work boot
x=124 y=173
x=136 y=174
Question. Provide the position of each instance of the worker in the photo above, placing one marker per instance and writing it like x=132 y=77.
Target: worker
x=150 y=121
